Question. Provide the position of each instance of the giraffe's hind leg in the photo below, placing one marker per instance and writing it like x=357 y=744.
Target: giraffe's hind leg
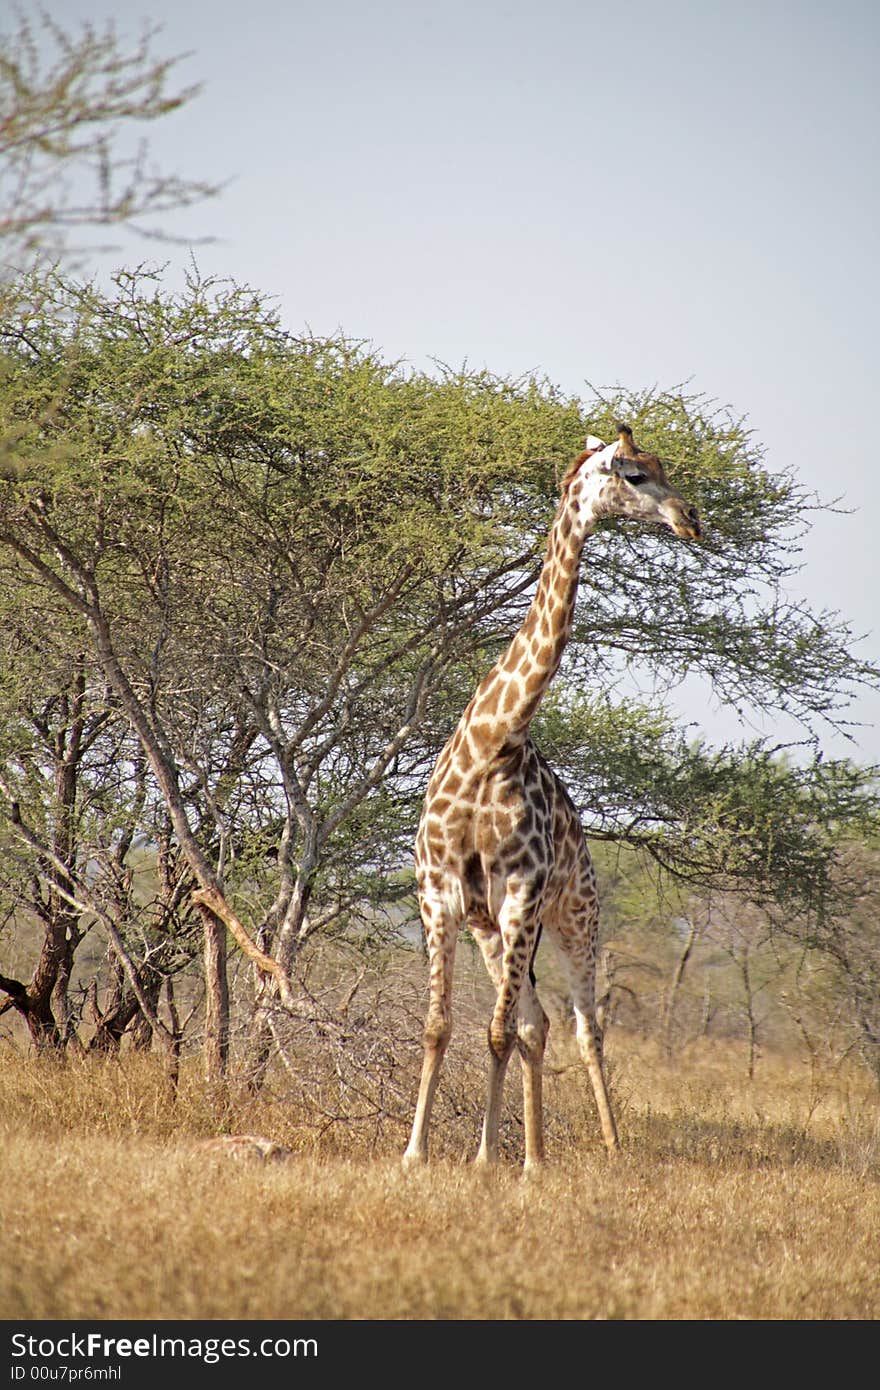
x=576 y=935
x=589 y=1038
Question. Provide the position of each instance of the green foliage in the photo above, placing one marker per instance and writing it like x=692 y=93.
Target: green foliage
x=748 y=819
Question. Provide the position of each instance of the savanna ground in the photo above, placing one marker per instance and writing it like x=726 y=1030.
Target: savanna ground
x=730 y=1199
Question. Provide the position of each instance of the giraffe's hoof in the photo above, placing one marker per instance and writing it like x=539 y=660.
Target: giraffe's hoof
x=414 y=1160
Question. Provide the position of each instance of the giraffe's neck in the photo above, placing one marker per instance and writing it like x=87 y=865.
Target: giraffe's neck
x=505 y=702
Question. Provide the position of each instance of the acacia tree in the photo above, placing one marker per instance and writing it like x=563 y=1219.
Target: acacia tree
x=288 y=561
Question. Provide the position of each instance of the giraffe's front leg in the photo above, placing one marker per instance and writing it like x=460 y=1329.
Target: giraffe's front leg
x=441 y=925
x=532 y=1031
x=499 y=1056
x=517 y=1019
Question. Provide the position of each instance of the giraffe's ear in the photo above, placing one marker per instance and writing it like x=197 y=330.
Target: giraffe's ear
x=593 y=443
x=603 y=461
x=627 y=443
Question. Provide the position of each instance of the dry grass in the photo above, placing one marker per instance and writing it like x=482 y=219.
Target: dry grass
x=729 y=1201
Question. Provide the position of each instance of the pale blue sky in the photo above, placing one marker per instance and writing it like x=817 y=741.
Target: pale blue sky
x=628 y=192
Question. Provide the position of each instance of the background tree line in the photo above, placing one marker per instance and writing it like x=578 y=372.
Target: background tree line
x=248 y=580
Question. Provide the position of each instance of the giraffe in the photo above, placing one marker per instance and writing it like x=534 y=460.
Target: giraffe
x=500 y=845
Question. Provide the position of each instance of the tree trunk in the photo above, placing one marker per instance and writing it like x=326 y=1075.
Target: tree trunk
x=750 y=1012
x=675 y=985
x=142 y=1034
x=52 y=970
x=259 y=1050
x=111 y=1025
x=216 y=998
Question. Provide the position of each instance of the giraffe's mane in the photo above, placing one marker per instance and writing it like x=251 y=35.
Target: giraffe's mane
x=578 y=462
x=575 y=465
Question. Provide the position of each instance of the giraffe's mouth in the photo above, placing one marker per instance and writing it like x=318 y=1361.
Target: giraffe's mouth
x=684 y=521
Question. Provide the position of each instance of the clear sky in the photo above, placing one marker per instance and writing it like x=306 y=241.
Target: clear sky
x=629 y=192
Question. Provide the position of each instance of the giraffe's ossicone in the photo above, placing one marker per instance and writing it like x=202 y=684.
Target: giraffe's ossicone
x=500 y=845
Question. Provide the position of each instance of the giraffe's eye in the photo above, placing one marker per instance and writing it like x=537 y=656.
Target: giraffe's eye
x=636 y=478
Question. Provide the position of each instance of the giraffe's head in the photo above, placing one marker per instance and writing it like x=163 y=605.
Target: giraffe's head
x=620 y=479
